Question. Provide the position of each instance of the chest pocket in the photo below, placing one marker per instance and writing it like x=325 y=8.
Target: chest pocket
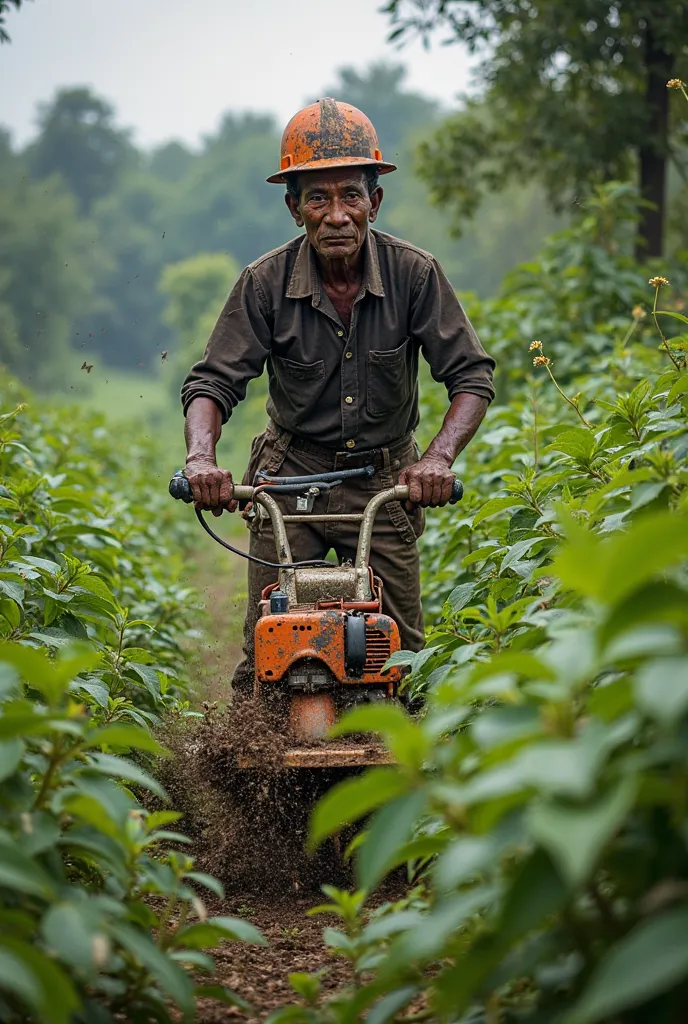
x=301 y=384
x=389 y=382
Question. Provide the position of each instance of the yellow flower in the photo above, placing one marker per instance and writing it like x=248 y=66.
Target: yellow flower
x=534 y=345
x=541 y=361
x=657 y=282
x=675 y=83
x=638 y=313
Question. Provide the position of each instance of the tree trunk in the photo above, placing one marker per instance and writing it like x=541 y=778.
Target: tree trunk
x=654 y=150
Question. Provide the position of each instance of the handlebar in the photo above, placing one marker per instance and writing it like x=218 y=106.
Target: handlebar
x=180 y=488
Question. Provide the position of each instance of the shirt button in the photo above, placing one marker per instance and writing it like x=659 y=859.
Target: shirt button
x=348 y=399
x=348 y=355
x=350 y=444
x=340 y=334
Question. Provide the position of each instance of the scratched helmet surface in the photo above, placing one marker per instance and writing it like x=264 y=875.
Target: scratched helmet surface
x=329 y=134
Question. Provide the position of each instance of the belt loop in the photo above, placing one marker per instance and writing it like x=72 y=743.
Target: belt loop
x=279 y=451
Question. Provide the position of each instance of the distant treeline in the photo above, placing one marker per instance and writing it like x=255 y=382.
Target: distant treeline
x=88 y=221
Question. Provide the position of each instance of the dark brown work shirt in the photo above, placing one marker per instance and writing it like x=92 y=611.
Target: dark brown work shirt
x=355 y=388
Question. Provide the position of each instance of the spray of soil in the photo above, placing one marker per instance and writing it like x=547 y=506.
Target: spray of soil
x=249 y=826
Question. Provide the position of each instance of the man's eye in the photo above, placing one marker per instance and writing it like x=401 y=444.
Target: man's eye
x=316 y=197
x=353 y=196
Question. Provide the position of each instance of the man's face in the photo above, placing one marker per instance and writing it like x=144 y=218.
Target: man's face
x=335 y=208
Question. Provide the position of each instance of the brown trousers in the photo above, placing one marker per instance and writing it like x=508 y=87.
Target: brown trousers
x=394 y=553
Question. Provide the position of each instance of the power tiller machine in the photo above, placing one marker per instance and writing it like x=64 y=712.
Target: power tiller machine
x=322 y=639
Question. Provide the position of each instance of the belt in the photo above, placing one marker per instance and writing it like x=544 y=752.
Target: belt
x=349 y=460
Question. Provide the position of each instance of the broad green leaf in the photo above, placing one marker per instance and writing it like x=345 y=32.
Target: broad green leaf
x=575 y=836
x=11 y=752
x=673 y=314
x=495 y=505
x=402 y=736
x=611 y=570
x=651 y=959
x=68 y=930
x=535 y=892
x=307 y=986
x=55 y=997
x=207 y=881
x=21 y=873
x=390 y=829
x=172 y=979
x=17 y=977
x=678 y=389
x=120 y=768
x=578 y=442
x=129 y=736
x=661 y=688
x=425 y=941
x=148 y=676
x=10 y=612
x=353 y=799
x=390 y=1005
x=504 y=724
x=461 y=596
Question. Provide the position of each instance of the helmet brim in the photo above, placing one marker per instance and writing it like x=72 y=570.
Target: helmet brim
x=331 y=162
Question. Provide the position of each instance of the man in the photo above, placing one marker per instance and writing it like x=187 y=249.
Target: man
x=340 y=316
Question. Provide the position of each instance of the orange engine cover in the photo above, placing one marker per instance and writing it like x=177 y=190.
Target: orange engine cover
x=281 y=640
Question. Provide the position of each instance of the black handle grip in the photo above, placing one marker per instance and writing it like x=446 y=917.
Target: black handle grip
x=457 y=492
x=180 y=488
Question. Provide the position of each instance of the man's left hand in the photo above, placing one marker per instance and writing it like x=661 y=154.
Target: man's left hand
x=429 y=482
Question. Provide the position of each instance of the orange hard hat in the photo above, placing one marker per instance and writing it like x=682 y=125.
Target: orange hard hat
x=329 y=134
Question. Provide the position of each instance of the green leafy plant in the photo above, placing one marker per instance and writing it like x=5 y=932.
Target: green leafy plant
x=100 y=913
x=538 y=805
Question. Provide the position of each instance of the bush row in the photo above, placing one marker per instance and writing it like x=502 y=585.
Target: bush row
x=540 y=803
x=100 y=917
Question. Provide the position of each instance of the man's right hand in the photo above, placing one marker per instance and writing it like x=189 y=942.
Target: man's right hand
x=211 y=486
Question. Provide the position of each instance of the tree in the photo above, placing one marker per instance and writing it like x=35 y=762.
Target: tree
x=47 y=264
x=133 y=226
x=171 y=161
x=4 y=7
x=79 y=140
x=224 y=203
x=575 y=95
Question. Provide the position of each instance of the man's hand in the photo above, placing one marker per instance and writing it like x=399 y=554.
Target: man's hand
x=211 y=486
x=429 y=481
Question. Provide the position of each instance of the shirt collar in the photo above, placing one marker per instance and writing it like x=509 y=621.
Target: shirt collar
x=305 y=279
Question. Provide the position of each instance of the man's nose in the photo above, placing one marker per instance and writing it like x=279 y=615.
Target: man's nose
x=337 y=214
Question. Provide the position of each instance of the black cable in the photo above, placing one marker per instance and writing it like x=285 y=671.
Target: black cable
x=252 y=558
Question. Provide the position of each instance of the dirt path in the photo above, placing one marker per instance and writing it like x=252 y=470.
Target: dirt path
x=259 y=974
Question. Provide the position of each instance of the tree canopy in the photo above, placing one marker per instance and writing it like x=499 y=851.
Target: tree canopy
x=575 y=95
x=79 y=140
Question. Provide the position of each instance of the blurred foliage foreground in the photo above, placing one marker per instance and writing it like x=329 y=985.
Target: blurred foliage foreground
x=100 y=917
x=540 y=804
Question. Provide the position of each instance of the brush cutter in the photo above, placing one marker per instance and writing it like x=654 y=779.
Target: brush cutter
x=322 y=640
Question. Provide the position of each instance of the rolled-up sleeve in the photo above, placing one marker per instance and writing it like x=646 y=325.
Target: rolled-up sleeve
x=447 y=339
x=236 y=352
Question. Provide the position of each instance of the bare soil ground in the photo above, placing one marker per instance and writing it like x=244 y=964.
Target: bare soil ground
x=249 y=829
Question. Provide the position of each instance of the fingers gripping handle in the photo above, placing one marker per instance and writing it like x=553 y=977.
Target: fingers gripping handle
x=180 y=488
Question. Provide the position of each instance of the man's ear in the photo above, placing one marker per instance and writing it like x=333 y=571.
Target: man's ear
x=375 y=201
x=293 y=208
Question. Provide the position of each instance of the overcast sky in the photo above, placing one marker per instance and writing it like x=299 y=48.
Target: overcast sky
x=171 y=67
